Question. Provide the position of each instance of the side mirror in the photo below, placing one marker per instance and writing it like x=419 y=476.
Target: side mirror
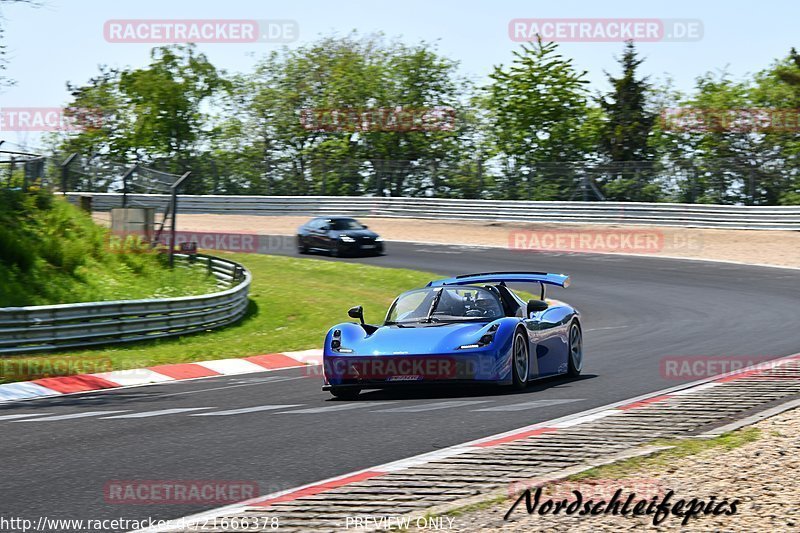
x=535 y=306
x=356 y=312
x=364 y=226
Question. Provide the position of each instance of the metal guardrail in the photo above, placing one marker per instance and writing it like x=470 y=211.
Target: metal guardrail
x=51 y=327
x=660 y=214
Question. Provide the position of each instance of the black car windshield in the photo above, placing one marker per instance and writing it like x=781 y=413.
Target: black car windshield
x=342 y=224
x=448 y=304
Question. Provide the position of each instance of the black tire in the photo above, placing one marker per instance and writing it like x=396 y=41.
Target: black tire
x=575 y=353
x=302 y=247
x=520 y=360
x=335 y=251
x=345 y=393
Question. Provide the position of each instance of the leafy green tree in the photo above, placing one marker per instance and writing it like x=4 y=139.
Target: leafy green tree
x=625 y=134
x=777 y=88
x=276 y=106
x=166 y=99
x=538 y=108
x=153 y=115
x=721 y=155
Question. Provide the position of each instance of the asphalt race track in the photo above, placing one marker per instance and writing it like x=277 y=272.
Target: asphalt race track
x=636 y=311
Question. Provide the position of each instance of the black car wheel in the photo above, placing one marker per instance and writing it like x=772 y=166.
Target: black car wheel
x=302 y=247
x=345 y=393
x=575 y=362
x=520 y=360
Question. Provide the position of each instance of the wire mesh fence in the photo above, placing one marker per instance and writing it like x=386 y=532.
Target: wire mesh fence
x=708 y=181
x=22 y=171
x=80 y=173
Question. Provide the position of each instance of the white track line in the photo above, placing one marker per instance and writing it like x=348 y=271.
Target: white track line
x=84 y=414
x=535 y=404
x=330 y=408
x=244 y=410
x=160 y=412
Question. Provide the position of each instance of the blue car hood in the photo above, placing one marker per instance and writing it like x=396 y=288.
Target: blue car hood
x=429 y=339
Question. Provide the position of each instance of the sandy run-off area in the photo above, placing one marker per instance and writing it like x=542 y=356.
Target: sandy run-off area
x=779 y=248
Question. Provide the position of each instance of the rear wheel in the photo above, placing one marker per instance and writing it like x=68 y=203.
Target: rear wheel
x=575 y=362
x=345 y=393
x=520 y=360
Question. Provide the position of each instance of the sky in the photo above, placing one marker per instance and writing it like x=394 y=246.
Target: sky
x=64 y=40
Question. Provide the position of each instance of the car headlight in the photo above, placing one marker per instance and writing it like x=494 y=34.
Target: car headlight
x=346 y=238
x=378 y=239
x=336 y=343
x=485 y=340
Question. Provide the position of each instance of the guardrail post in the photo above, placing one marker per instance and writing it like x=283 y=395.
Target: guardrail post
x=480 y=177
x=173 y=223
x=125 y=178
x=65 y=173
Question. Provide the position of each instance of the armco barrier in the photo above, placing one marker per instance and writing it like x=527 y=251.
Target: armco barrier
x=660 y=214
x=50 y=327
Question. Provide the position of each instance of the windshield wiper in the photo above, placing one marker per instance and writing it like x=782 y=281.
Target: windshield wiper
x=429 y=318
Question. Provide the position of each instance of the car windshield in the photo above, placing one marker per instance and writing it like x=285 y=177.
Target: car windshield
x=341 y=224
x=445 y=304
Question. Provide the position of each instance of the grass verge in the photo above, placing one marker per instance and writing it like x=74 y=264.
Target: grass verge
x=293 y=302
x=53 y=253
x=678 y=448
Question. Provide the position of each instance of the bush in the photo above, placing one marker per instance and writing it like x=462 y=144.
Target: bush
x=16 y=252
x=51 y=252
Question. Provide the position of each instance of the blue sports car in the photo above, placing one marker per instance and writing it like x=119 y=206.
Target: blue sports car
x=467 y=329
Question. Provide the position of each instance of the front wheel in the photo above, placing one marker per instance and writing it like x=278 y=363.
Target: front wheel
x=520 y=361
x=575 y=362
x=302 y=247
x=345 y=393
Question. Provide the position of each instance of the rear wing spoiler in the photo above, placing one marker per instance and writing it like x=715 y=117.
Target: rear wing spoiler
x=561 y=280
x=542 y=278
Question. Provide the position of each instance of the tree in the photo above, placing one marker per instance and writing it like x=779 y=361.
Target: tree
x=166 y=100
x=153 y=115
x=625 y=134
x=351 y=74
x=539 y=115
x=722 y=156
x=777 y=88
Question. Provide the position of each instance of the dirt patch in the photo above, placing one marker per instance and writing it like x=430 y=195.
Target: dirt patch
x=779 y=248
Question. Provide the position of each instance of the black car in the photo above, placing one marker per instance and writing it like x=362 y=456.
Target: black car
x=338 y=236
